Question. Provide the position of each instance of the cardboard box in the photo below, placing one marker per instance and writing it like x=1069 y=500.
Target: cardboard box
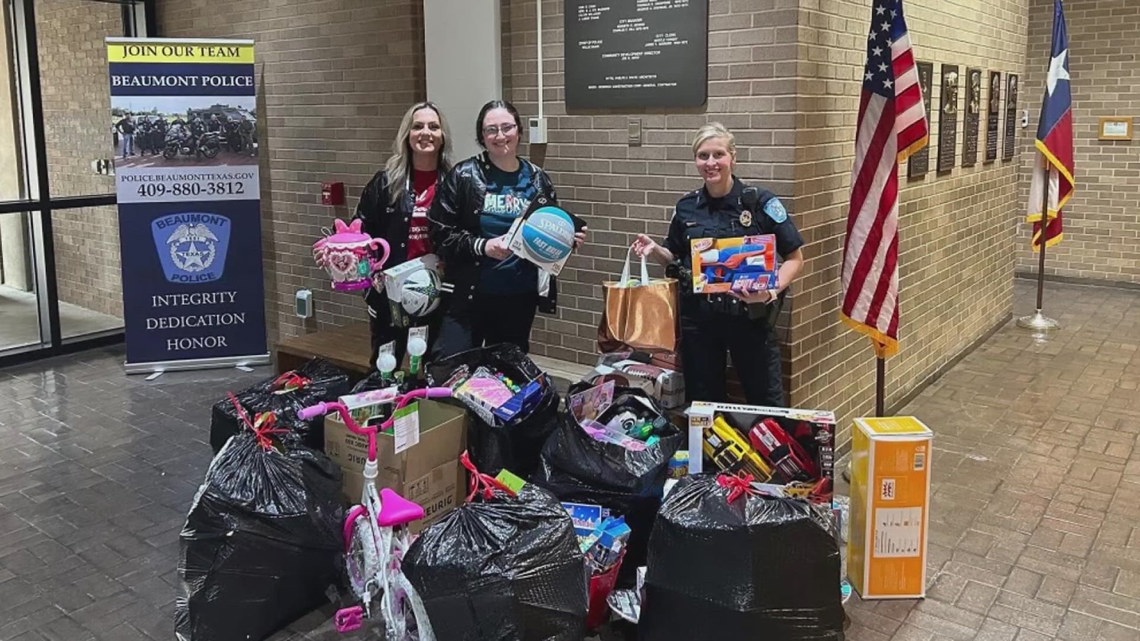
x=743 y=264
x=428 y=473
x=890 y=507
x=722 y=436
x=394 y=279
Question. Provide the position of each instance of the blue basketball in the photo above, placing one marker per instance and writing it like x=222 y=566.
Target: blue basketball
x=548 y=234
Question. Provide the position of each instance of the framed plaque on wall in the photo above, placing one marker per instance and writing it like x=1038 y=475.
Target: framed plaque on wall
x=919 y=162
x=948 y=119
x=974 y=108
x=636 y=53
x=993 y=115
x=1010 y=117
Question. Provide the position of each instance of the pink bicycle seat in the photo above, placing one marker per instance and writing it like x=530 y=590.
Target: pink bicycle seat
x=396 y=510
x=349 y=619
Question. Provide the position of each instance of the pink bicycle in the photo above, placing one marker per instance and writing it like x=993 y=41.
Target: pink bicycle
x=376 y=538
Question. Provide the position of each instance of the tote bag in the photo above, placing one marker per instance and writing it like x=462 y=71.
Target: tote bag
x=640 y=314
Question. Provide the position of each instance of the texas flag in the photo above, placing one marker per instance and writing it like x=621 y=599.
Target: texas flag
x=1054 y=141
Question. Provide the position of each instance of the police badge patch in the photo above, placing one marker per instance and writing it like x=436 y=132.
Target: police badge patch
x=746 y=218
x=775 y=210
x=192 y=246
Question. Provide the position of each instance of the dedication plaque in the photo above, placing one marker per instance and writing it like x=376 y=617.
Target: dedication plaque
x=948 y=119
x=636 y=53
x=919 y=162
x=1010 y=118
x=992 y=115
x=973 y=117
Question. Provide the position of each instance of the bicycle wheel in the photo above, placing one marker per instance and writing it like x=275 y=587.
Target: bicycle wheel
x=361 y=559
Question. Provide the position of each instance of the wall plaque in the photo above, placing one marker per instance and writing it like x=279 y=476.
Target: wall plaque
x=919 y=162
x=974 y=108
x=992 y=116
x=1114 y=128
x=1010 y=117
x=636 y=53
x=948 y=119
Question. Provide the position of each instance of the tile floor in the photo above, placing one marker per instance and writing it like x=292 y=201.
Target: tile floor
x=1035 y=531
x=19 y=319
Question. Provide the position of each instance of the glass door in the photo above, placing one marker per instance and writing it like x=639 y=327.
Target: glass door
x=60 y=280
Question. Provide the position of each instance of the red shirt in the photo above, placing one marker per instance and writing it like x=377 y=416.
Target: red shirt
x=419 y=238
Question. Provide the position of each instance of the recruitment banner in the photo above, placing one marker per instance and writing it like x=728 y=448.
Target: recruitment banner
x=184 y=124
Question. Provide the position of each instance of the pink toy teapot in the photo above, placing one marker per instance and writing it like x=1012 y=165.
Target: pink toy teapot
x=347 y=257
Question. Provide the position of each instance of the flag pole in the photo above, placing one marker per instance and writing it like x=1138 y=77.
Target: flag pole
x=880 y=386
x=1038 y=321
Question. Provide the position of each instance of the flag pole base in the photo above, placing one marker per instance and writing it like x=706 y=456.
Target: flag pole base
x=1038 y=322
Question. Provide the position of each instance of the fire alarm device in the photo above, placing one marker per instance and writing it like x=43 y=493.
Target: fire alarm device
x=332 y=194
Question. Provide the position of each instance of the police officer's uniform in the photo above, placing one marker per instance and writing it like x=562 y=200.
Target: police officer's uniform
x=713 y=324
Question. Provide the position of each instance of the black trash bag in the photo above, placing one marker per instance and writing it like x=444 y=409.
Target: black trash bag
x=316 y=381
x=580 y=469
x=729 y=564
x=517 y=444
x=502 y=569
x=374 y=381
x=262 y=543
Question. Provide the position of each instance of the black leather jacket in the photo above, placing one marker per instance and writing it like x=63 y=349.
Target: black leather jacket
x=456 y=232
x=390 y=221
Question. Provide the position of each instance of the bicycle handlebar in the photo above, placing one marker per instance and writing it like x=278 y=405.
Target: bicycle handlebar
x=320 y=409
x=309 y=413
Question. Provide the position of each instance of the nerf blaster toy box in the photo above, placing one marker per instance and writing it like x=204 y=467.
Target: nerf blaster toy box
x=790 y=447
x=745 y=264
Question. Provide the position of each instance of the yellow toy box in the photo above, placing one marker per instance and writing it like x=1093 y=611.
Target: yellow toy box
x=890 y=505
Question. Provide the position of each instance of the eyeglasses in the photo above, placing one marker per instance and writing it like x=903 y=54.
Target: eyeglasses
x=494 y=131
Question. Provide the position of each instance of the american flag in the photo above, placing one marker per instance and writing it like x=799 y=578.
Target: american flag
x=892 y=126
x=1054 y=140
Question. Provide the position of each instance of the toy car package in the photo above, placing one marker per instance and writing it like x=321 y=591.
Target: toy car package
x=784 y=446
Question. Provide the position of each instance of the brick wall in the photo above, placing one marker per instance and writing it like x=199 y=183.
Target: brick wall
x=334 y=80
x=795 y=124
x=623 y=190
x=87 y=259
x=955 y=258
x=1101 y=222
x=783 y=75
x=77 y=122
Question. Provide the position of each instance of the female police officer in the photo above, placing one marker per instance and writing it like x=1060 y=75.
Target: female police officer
x=740 y=324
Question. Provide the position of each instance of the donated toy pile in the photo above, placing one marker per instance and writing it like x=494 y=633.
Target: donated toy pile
x=468 y=499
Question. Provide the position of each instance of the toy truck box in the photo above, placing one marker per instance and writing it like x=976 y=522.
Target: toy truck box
x=794 y=448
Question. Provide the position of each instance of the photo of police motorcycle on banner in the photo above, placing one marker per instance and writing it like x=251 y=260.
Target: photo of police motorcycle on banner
x=165 y=131
x=184 y=130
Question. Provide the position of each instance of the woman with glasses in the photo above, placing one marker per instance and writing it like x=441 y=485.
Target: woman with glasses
x=496 y=293
x=394 y=206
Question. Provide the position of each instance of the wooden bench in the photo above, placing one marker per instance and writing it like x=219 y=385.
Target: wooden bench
x=347 y=347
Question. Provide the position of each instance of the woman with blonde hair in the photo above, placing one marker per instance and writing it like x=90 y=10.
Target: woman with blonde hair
x=394 y=206
x=740 y=324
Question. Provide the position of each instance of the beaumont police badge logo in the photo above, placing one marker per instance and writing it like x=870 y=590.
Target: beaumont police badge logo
x=192 y=246
x=775 y=210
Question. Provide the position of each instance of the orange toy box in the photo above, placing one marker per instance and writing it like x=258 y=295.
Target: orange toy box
x=890 y=507
x=744 y=264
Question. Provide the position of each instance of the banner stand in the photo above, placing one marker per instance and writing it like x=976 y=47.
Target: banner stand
x=203 y=363
x=187 y=177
